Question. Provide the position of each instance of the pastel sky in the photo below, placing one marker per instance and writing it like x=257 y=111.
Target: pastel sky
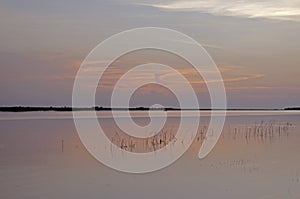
x=255 y=44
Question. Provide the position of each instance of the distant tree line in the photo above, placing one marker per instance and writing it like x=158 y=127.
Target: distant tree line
x=97 y=108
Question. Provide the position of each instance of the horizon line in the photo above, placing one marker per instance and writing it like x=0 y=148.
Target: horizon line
x=138 y=108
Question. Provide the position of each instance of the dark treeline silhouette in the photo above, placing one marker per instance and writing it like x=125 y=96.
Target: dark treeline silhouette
x=292 y=108
x=65 y=108
x=97 y=108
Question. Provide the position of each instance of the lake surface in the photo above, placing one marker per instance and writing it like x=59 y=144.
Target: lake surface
x=256 y=157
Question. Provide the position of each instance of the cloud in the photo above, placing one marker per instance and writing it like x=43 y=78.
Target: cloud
x=275 y=9
x=231 y=74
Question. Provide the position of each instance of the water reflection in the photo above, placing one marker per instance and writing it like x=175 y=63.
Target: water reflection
x=257 y=156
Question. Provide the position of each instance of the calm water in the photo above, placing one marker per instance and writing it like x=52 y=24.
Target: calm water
x=257 y=157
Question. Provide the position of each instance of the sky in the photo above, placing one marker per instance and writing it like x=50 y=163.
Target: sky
x=255 y=45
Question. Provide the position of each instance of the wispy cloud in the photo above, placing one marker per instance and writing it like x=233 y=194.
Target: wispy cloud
x=271 y=9
x=231 y=74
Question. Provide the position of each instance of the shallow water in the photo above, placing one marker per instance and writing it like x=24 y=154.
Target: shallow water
x=257 y=156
